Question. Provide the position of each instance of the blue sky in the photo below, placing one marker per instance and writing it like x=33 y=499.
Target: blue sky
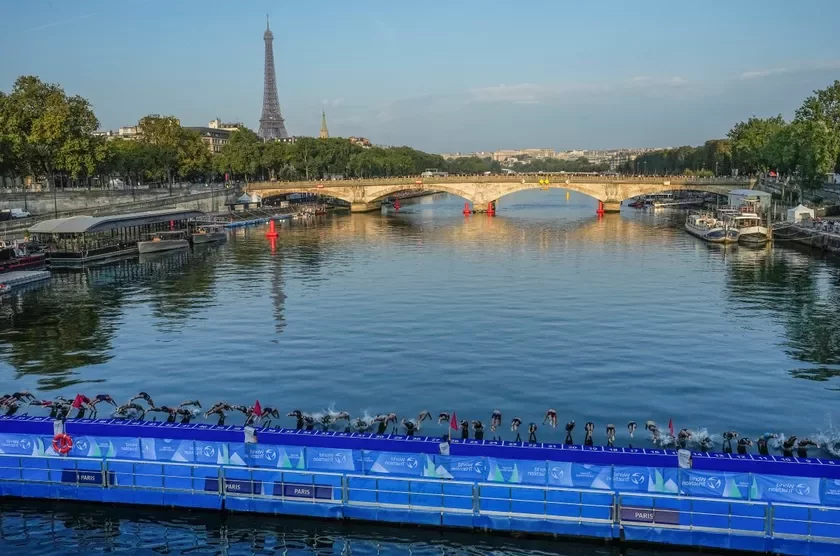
x=438 y=75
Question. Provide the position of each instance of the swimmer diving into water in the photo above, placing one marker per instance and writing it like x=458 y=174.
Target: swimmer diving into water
x=551 y=418
x=495 y=421
x=514 y=426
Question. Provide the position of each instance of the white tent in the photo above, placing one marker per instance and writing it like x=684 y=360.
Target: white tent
x=797 y=214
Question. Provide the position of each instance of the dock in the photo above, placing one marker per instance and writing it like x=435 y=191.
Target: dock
x=19 y=278
x=758 y=503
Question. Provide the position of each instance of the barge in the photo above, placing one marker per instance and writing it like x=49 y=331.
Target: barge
x=747 y=502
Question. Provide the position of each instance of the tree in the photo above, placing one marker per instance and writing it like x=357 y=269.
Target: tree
x=194 y=159
x=750 y=142
x=45 y=131
x=164 y=133
x=243 y=155
x=817 y=149
x=823 y=106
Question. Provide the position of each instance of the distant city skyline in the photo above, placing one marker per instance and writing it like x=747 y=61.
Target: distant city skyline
x=442 y=77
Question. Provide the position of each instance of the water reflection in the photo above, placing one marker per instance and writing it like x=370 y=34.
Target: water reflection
x=60 y=528
x=342 y=300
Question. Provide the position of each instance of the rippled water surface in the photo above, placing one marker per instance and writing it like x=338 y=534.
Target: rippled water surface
x=545 y=305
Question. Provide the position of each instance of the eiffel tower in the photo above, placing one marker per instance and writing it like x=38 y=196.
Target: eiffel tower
x=271 y=122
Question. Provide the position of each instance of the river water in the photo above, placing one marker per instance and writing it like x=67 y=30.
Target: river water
x=543 y=306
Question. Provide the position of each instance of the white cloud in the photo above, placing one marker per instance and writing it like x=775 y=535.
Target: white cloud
x=806 y=66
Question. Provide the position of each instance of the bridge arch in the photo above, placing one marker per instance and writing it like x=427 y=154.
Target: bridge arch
x=331 y=192
x=379 y=193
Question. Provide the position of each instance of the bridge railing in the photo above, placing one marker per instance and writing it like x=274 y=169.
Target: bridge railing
x=427 y=182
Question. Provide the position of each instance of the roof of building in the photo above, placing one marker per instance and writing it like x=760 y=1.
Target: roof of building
x=90 y=224
x=748 y=192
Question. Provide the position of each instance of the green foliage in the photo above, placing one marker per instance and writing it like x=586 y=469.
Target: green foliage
x=713 y=156
x=580 y=164
x=44 y=132
x=750 y=142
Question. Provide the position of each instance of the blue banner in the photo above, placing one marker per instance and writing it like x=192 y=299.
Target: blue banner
x=330 y=459
x=645 y=479
x=398 y=463
x=514 y=471
x=831 y=492
x=165 y=449
x=281 y=457
x=462 y=468
x=711 y=484
x=559 y=473
x=780 y=488
x=213 y=453
x=579 y=475
x=592 y=476
x=21 y=445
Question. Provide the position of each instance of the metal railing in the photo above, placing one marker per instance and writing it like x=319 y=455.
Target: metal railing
x=663 y=512
x=516 y=178
x=641 y=509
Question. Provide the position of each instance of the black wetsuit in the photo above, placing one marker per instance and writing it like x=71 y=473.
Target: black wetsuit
x=479 y=431
x=787 y=449
x=587 y=441
x=762 y=447
x=532 y=433
x=569 y=441
x=465 y=430
x=742 y=447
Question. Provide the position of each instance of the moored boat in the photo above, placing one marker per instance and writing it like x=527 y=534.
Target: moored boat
x=709 y=228
x=19 y=256
x=748 y=223
x=209 y=233
x=163 y=241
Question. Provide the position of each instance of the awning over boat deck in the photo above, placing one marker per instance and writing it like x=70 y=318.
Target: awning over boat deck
x=91 y=224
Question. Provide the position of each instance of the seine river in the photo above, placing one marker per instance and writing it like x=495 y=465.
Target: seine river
x=543 y=306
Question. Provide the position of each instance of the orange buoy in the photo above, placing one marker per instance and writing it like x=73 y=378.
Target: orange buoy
x=62 y=443
x=467 y=210
x=272 y=231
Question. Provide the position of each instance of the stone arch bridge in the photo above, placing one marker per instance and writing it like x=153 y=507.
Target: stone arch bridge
x=367 y=194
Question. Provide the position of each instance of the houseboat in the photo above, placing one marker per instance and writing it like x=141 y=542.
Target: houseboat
x=710 y=228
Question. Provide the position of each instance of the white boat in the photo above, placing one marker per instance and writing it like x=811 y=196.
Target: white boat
x=749 y=225
x=209 y=233
x=709 y=228
x=163 y=241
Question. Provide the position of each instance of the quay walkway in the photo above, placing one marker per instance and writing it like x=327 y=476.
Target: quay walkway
x=745 y=502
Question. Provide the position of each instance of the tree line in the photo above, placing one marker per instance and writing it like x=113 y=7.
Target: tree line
x=47 y=134
x=44 y=133
x=804 y=149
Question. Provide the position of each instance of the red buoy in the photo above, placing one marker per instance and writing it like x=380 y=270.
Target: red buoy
x=272 y=232
x=467 y=210
x=600 y=210
x=491 y=208
x=397 y=205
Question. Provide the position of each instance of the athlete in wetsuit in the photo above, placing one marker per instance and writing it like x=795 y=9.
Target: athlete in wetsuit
x=478 y=430
x=588 y=428
x=495 y=421
x=610 y=435
x=514 y=426
x=532 y=433
x=570 y=426
x=743 y=445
